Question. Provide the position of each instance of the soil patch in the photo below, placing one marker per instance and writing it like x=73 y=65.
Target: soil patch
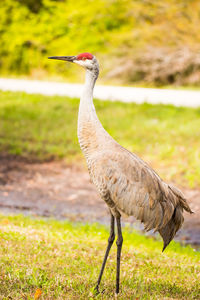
x=61 y=191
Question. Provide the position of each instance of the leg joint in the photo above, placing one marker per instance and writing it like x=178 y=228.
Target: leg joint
x=119 y=241
x=111 y=238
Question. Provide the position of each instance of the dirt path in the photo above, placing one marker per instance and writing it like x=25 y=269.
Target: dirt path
x=54 y=189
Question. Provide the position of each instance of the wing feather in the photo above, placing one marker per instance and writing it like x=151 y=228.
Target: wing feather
x=135 y=189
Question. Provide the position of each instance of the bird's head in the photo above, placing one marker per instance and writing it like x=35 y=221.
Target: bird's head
x=86 y=60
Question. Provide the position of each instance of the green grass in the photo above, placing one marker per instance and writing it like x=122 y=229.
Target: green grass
x=136 y=36
x=167 y=137
x=63 y=259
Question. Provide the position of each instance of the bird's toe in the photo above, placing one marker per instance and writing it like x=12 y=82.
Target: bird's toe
x=96 y=290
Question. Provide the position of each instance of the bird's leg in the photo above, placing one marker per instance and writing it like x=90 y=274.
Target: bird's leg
x=110 y=242
x=119 y=248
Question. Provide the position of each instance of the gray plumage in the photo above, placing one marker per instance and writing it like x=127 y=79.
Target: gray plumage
x=125 y=182
x=128 y=185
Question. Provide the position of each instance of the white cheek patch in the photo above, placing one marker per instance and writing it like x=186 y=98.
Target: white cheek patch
x=80 y=62
x=84 y=63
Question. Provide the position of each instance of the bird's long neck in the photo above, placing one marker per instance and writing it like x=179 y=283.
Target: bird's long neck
x=91 y=133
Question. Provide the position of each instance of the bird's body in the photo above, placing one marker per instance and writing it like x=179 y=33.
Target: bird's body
x=131 y=187
x=125 y=182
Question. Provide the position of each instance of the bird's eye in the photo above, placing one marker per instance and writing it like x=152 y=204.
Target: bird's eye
x=84 y=58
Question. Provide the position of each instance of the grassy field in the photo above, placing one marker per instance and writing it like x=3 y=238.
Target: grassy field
x=61 y=260
x=167 y=137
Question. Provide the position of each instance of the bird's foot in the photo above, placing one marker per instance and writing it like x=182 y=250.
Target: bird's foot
x=96 y=290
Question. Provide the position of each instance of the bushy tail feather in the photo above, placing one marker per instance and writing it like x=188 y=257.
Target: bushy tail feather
x=182 y=199
x=169 y=230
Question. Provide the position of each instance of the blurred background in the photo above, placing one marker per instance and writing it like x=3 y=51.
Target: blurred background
x=138 y=43
x=144 y=42
x=149 y=52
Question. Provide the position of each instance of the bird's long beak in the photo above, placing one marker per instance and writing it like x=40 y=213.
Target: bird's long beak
x=65 y=58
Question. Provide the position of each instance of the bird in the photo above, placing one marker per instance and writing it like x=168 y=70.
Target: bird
x=127 y=184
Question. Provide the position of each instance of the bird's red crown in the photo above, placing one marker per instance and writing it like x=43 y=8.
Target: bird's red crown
x=84 y=56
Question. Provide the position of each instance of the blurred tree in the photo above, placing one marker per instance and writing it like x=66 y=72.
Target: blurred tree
x=149 y=40
x=33 y=5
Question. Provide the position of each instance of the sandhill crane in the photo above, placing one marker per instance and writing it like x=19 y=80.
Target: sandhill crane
x=124 y=181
